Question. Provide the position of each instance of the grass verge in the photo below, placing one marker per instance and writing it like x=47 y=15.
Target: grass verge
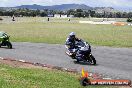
x=54 y=32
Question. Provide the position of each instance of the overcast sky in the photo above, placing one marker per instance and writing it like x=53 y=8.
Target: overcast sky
x=93 y=3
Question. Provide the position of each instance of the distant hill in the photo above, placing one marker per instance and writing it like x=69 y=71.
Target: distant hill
x=34 y=6
x=56 y=7
x=70 y=6
x=62 y=7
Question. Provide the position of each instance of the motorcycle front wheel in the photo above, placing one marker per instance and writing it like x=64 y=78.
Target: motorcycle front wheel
x=92 y=59
x=9 y=45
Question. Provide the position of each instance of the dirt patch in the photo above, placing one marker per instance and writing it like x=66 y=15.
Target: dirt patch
x=124 y=87
x=19 y=64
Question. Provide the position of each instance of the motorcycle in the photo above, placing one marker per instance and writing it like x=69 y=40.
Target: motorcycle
x=83 y=48
x=4 y=40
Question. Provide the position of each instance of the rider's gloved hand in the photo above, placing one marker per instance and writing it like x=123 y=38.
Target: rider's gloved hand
x=78 y=39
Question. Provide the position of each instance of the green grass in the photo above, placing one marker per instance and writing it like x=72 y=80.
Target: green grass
x=55 y=32
x=13 y=77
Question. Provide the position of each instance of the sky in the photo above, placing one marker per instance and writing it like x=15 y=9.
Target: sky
x=94 y=3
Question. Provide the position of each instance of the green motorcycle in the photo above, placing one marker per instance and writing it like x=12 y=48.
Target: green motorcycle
x=4 y=40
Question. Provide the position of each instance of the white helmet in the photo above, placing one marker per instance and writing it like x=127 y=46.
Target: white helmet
x=72 y=34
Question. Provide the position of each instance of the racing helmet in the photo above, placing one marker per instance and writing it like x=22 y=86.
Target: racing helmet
x=72 y=34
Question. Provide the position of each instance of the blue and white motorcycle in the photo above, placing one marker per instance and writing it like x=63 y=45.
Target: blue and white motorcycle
x=84 y=49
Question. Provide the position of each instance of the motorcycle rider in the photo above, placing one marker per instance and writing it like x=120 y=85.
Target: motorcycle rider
x=70 y=43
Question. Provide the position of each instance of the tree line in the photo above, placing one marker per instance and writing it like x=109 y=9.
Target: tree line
x=74 y=12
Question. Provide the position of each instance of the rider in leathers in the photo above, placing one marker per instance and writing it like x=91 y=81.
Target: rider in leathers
x=70 y=43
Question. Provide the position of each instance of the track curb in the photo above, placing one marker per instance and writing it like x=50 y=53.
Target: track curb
x=43 y=65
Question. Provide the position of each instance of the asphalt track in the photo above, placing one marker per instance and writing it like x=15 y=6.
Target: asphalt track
x=111 y=62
